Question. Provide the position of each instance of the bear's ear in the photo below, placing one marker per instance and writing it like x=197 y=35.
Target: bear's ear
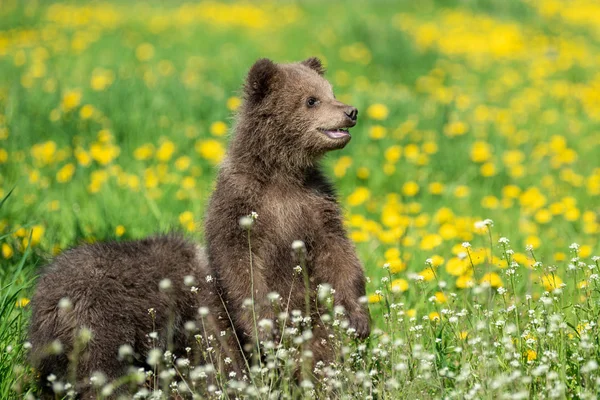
x=260 y=79
x=314 y=63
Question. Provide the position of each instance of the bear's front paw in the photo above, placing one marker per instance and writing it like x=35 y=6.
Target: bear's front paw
x=360 y=321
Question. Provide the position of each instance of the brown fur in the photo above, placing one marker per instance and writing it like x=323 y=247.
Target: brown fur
x=272 y=169
x=111 y=286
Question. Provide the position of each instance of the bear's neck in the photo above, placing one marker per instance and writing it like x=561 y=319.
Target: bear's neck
x=264 y=152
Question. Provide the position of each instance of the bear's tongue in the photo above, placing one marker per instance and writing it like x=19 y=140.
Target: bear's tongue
x=336 y=133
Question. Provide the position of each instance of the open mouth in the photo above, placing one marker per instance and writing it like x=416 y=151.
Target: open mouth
x=337 y=133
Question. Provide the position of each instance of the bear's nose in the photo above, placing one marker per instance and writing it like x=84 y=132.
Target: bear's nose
x=352 y=113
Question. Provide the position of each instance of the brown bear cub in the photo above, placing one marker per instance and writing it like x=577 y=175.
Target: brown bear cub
x=288 y=120
x=145 y=294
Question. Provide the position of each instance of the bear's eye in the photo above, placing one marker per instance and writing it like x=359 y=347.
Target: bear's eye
x=311 y=102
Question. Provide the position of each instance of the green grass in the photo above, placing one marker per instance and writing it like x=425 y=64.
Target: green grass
x=520 y=78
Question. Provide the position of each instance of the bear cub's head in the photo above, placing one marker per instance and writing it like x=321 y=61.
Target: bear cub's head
x=295 y=106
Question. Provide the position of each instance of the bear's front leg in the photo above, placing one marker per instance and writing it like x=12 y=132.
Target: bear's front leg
x=336 y=263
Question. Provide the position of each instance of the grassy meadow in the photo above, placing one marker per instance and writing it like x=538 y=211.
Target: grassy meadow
x=471 y=186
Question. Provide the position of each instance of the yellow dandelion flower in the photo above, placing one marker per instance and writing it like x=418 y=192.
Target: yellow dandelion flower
x=144 y=52
x=375 y=298
x=533 y=241
x=359 y=196
x=434 y=316
x=86 y=112
x=410 y=188
x=531 y=355
x=165 y=151
x=490 y=202
x=461 y=191
x=83 y=158
x=70 y=100
x=462 y=335
x=493 y=279
x=119 y=230
x=428 y=274
x=436 y=188
x=456 y=128
x=440 y=297
x=7 y=251
x=378 y=111
x=465 y=281
x=233 y=103
x=183 y=163
x=488 y=169
x=65 y=174
x=211 y=150
x=551 y=282
x=399 y=285
x=144 y=152
x=431 y=241
x=377 y=132
x=218 y=128
x=396 y=265
x=393 y=153
x=363 y=173
x=188 y=183
x=481 y=152
x=22 y=302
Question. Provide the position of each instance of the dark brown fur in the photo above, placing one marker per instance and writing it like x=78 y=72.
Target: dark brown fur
x=272 y=169
x=111 y=286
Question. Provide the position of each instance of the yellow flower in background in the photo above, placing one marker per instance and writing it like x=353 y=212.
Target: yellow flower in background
x=430 y=241
x=165 y=151
x=3 y=156
x=233 y=103
x=211 y=150
x=363 y=173
x=218 y=128
x=104 y=153
x=440 y=297
x=144 y=152
x=341 y=166
x=359 y=196
x=481 y=152
x=436 y=188
x=378 y=111
x=551 y=282
x=70 y=100
x=531 y=355
x=493 y=279
x=434 y=316
x=37 y=232
x=396 y=265
x=399 y=285
x=7 y=251
x=410 y=188
x=374 y=298
x=144 y=52
x=83 y=158
x=44 y=153
x=86 y=111
x=428 y=274
x=461 y=191
x=65 y=174
x=119 y=230
x=22 y=302
x=457 y=128
x=377 y=132
x=186 y=219
x=465 y=281
x=183 y=163
x=101 y=79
